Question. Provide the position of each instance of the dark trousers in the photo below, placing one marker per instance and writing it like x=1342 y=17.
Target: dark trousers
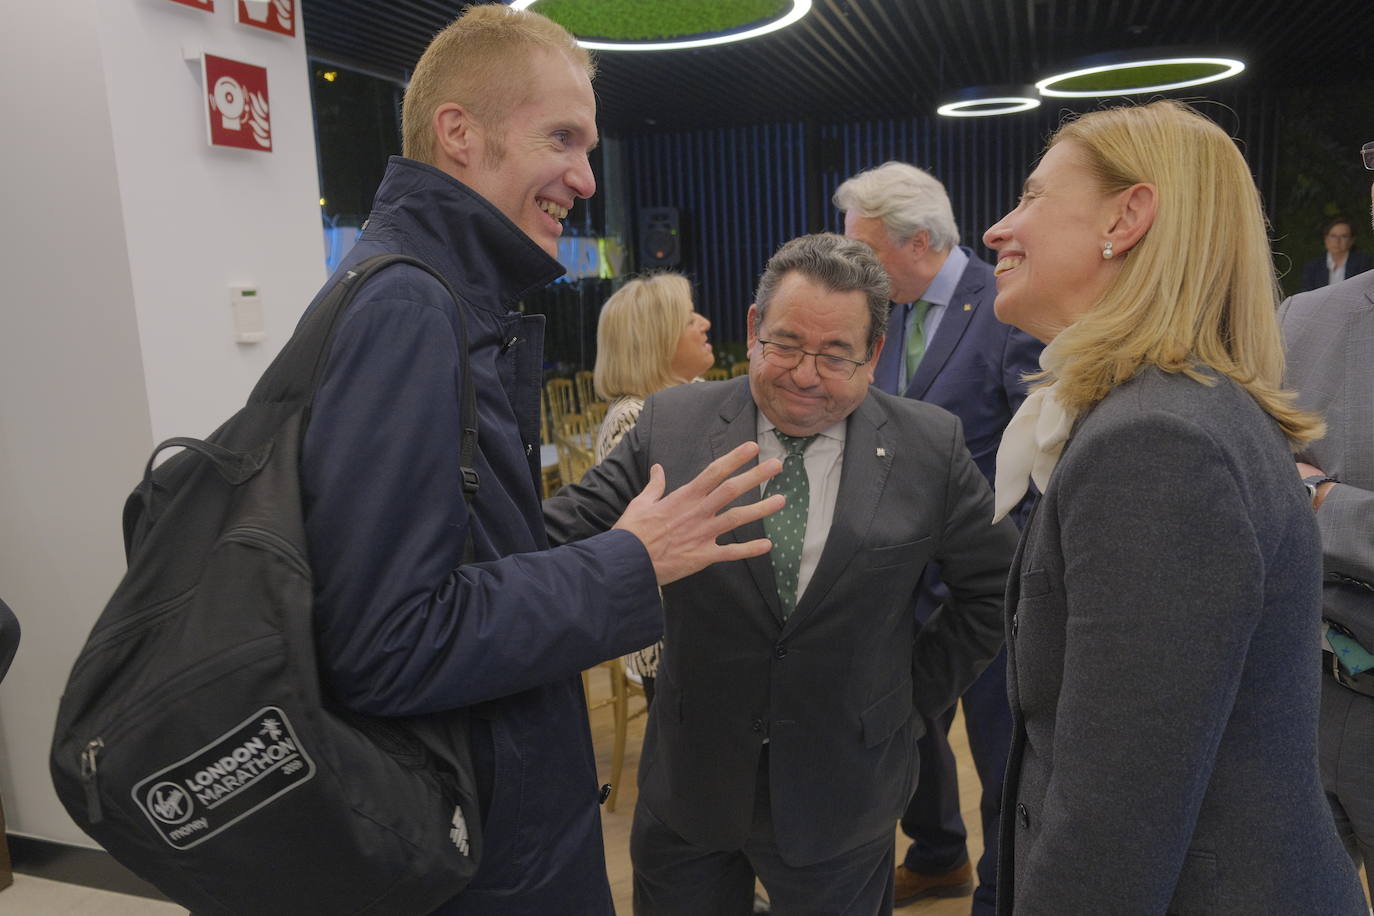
x=932 y=817
x=674 y=877
x=1346 y=739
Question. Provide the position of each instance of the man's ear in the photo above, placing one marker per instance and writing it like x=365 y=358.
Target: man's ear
x=1134 y=217
x=458 y=138
x=919 y=244
x=872 y=366
x=752 y=319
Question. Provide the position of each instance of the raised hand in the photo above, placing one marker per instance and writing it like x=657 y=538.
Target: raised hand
x=679 y=530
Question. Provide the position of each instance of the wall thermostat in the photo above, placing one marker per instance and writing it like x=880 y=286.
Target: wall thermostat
x=246 y=305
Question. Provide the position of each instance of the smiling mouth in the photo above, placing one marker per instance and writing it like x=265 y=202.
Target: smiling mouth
x=1006 y=264
x=552 y=209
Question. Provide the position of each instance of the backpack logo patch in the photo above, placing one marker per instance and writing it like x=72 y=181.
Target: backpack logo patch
x=241 y=771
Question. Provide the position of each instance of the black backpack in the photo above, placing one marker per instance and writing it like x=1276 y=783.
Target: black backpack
x=194 y=741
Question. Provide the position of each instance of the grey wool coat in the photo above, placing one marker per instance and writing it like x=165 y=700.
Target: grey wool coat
x=1162 y=635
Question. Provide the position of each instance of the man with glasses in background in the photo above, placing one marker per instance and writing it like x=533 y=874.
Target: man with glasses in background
x=1329 y=338
x=782 y=742
x=1340 y=262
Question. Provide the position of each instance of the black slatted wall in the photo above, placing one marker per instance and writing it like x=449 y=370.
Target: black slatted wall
x=744 y=191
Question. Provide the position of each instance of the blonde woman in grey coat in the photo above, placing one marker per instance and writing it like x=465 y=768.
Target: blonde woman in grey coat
x=1163 y=607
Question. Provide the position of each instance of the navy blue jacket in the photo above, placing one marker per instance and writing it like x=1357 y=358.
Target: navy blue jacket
x=973 y=369
x=404 y=627
x=1315 y=274
x=973 y=366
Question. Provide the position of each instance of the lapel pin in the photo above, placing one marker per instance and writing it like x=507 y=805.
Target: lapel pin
x=968 y=306
x=882 y=453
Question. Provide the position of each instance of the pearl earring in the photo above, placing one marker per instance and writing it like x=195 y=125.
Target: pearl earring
x=1107 y=253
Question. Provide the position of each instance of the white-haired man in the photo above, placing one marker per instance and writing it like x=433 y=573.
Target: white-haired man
x=946 y=347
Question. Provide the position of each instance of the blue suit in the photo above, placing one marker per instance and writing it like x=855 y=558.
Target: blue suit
x=972 y=367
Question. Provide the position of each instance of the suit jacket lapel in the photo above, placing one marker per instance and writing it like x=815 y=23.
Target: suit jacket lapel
x=737 y=424
x=953 y=323
x=868 y=451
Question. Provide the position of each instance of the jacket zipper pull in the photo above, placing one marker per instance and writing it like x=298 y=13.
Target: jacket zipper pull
x=508 y=344
x=88 y=773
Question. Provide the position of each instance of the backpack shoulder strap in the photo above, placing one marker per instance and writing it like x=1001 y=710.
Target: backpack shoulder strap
x=296 y=372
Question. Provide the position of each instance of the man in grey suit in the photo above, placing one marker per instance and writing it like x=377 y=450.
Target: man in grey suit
x=1329 y=337
x=948 y=349
x=792 y=687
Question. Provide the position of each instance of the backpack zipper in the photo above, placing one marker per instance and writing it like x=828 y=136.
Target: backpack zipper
x=262 y=537
x=94 y=814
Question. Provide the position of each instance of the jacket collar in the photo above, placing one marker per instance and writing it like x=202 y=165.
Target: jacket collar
x=458 y=232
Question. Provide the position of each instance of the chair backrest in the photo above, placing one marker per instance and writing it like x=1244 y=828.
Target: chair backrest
x=574 y=441
x=586 y=389
x=562 y=397
x=595 y=412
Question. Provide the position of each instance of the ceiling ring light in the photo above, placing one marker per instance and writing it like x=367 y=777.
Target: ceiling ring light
x=799 y=9
x=1210 y=69
x=987 y=101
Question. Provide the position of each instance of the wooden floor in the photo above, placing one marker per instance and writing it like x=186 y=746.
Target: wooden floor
x=616 y=824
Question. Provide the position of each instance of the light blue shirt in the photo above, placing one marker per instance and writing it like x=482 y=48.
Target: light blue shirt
x=938 y=294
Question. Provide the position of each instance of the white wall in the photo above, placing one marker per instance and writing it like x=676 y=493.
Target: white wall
x=198 y=218
x=122 y=231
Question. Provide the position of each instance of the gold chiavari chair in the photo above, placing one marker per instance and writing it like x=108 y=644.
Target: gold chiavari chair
x=575 y=449
x=622 y=688
x=595 y=412
x=586 y=390
x=562 y=397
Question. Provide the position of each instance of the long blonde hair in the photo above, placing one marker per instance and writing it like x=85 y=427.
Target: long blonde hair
x=637 y=334
x=1199 y=288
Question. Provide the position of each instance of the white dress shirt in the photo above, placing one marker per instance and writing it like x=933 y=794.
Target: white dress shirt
x=1336 y=274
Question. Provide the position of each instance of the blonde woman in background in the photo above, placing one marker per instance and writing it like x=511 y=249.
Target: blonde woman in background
x=649 y=337
x=1163 y=608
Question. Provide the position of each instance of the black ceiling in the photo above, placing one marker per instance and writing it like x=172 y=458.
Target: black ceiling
x=851 y=59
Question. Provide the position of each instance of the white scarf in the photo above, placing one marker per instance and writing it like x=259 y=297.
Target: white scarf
x=1032 y=442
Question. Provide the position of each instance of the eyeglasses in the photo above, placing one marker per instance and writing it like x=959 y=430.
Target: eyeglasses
x=786 y=356
x=1367 y=151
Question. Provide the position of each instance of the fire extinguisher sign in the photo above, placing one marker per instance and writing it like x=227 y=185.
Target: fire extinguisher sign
x=269 y=15
x=237 y=107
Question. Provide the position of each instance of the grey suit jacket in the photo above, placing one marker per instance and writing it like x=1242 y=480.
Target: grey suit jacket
x=1329 y=335
x=835 y=687
x=1163 y=671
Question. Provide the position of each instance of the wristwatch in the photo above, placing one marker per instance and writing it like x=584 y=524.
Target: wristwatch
x=1315 y=481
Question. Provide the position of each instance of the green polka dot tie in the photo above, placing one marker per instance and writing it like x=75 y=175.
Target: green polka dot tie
x=787 y=527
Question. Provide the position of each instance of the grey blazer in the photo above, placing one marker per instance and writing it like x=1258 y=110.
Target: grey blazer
x=836 y=686
x=1330 y=340
x=1164 y=672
